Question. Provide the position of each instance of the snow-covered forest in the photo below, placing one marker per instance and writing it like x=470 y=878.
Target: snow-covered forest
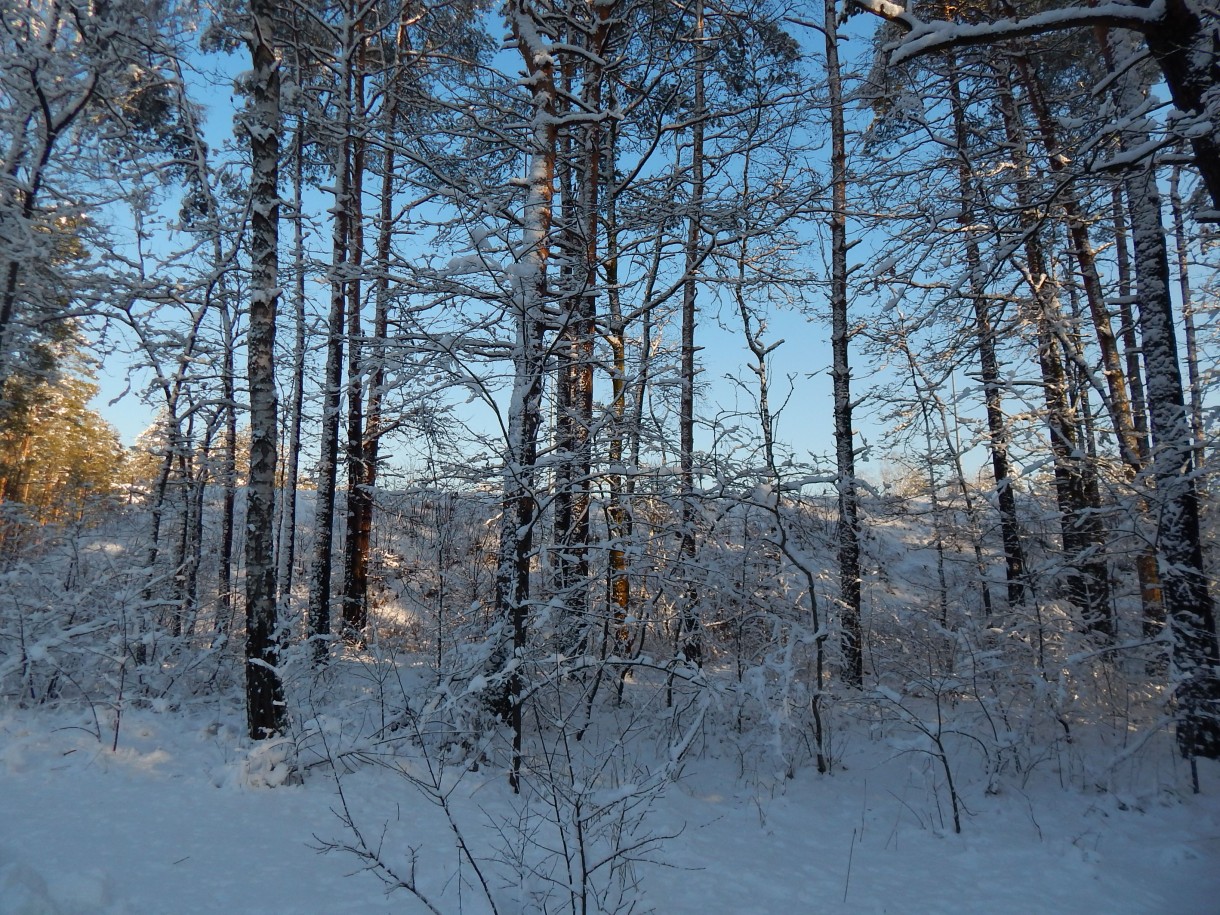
x=508 y=536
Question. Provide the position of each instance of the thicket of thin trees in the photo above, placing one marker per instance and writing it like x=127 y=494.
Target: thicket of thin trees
x=425 y=337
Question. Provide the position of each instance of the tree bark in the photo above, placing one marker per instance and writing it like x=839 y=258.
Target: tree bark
x=618 y=511
x=381 y=318
x=1188 y=317
x=690 y=639
x=224 y=583
x=852 y=636
x=264 y=690
x=1188 y=601
x=529 y=362
x=359 y=497
x=292 y=460
x=324 y=514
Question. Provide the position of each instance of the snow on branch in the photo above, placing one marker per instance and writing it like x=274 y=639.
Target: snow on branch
x=929 y=37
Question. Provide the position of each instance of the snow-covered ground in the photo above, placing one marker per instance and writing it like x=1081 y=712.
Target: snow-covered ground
x=181 y=819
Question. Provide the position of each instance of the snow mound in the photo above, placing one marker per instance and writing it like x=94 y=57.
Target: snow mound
x=268 y=764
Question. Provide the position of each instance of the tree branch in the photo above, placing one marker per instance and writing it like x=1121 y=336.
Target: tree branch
x=929 y=37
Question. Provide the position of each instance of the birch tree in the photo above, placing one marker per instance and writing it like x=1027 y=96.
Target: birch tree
x=264 y=688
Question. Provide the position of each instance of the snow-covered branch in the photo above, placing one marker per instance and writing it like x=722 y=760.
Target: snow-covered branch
x=929 y=37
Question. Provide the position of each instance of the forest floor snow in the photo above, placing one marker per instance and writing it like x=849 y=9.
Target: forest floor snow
x=180 y=819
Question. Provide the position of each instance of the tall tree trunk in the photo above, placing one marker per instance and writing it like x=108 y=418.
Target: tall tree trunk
x=1188 y=601
x=1188 y=605
x=529 y=362
x=359 y=498
x=219 y=295
x=1151 y=599
x=582 y=225
x=292 y=459
x=571 y=362
x=324 y=513
x=194 y=557
x=852 y=637
x=194 y=472
x=690 y=638
x=183 y=548
x=224 y=583
x=1126 y=314
x=1188 y=316
x=1126 y=94
x=264 y=690
x=173 y=388
x=618 y=511
x=1086 y=576
x=381 y=318
x=565 y=288
x=160 y=497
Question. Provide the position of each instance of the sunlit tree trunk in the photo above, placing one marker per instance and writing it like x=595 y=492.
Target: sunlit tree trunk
x=1147 y=570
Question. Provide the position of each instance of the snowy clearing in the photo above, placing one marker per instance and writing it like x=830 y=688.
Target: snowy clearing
x=174 y=822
